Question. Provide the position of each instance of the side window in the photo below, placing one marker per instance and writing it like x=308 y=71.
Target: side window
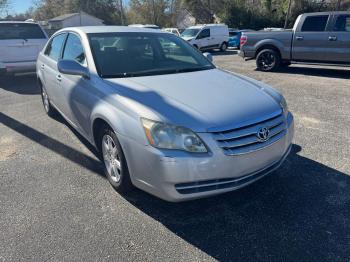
x=74 y=49
x=315 y=23
x=54 y=48
x=342 y=24
x=204 y=34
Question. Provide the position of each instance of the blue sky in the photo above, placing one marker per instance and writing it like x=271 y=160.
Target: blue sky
x=20 y=6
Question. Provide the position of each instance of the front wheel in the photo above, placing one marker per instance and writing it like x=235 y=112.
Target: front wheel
x=115 y=166
x=268 y=60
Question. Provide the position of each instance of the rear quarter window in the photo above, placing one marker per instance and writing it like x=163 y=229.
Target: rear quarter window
x=342 y=23
x=20 y=31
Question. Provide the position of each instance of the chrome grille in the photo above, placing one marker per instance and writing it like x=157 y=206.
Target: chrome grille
x=244 y=139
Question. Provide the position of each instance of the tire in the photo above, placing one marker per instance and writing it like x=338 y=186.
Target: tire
x=50 y=111
x=223 y=47
x=268 y=60
x=114 y=162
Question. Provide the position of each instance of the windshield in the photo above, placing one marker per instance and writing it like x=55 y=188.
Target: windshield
x=190 y=33
x=141 y=54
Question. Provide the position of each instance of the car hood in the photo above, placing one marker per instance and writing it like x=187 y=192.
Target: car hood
x=188 y=38
x=210 y=100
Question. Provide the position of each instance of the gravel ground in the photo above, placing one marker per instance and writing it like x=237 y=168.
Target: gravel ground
x=55 y=204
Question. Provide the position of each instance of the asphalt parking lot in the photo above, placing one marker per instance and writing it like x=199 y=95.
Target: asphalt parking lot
x=56 y=205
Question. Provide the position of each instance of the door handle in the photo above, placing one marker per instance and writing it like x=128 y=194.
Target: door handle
x=42 y=67
x=300 y=38
x=59 y=78
x=332 y=38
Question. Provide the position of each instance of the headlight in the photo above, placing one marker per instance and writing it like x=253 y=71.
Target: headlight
x=284 y=106
x=167 y=136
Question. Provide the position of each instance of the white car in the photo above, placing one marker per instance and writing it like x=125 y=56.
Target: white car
x=174 y=31
x=207 y=37
x=145 y=26
x=20 y=44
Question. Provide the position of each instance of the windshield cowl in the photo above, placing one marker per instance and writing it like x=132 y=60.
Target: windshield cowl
x=158 y=72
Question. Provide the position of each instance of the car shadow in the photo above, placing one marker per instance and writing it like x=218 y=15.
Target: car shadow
x=311 y=71
x=299 y=213
x=20 y=84
x=54 y=145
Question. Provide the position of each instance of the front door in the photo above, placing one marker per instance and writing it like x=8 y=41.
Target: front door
x=49 y=69
x=203 y=39
x=75 y=102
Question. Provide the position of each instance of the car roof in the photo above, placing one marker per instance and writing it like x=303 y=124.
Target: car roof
x=17 y=22
x=327 y=13
x=206 y=25
x=110 y=29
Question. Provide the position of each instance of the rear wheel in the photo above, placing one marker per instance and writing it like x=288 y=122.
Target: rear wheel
x=50 y=111
x=115 y=166
x=268 y=60
x=223 y=47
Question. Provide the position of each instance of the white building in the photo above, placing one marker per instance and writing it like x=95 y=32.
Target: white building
x=185 y=19
x=74 y=19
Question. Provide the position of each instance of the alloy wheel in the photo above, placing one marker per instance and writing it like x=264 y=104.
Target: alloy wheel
x=111 y=158
x=267 y=60
x=45 y=99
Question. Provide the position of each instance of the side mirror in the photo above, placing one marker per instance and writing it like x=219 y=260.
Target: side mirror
x=71 y=67
x=208 y=56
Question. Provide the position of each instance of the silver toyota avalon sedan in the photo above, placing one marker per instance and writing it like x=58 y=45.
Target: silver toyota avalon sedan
x=161 y=115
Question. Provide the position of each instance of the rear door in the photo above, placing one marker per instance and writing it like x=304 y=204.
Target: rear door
x=20 y=42
x=310 y=41
x=339 y=39
x=48 y=66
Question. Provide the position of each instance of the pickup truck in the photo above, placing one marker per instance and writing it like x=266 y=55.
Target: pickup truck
x=317 y=38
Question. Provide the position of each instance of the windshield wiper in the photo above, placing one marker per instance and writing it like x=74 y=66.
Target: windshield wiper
x=141 y=73
x=156 y=72
x=185 y=70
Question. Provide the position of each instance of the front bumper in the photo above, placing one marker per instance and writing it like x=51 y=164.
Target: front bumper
x=177 y=176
